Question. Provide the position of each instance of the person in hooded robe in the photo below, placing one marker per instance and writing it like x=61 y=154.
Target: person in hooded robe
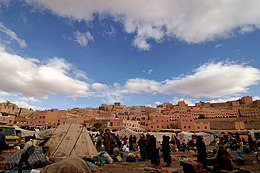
x=154 y=150
x=166 y=150
x=147 y=147
x=202 y=152
x=131 y=142
x=141 y=144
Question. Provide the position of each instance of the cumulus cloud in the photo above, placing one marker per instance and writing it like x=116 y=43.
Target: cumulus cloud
x=30 y=99
x=99 y=86
x=12 y=35
x=83 y=38
x=256 y=98
x=24 y=104
x=223 y=100
x=31 y=77
x=158 y=103
x=142 y=85
x=4 y=93
x=189 y=101
x=213 y=79
x=190 y=21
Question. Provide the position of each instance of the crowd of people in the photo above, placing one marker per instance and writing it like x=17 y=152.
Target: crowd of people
x=150 y=148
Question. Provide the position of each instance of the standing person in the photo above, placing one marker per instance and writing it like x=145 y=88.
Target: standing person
x=141 y=144
x=147 y=147
x=134 y=143
x=2 y=141
x=202 y=153
x=223 y=161
x=27 y=150
x=124 y=141
x=131 y=142
x=155 y=158
x=166 y=150
x=107 y=142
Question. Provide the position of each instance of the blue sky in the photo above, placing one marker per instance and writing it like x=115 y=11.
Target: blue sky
x=65 y=54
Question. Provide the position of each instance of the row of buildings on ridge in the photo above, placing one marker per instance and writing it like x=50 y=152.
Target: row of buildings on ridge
x=240 y=114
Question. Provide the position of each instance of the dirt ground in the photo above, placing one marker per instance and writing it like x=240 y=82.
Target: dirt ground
x=146 y=167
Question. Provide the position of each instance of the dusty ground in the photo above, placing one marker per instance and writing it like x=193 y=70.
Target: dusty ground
x=146 y=167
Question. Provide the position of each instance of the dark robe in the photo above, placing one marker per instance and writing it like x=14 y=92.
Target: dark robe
x=166 y=150
x=155 y=158
x=202 y=153
x=141 y=144
x=223 y=161
x=131 y=142
x=147 y=147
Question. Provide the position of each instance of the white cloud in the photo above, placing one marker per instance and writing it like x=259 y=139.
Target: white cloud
x=158 y=103
x=83 y=38
x=141 y=43
x=30 y=99
x=223 y=100
x=4 y=93
x=256 y=98
x=191 y=21
x=99 y=86
x=150 y=71
x=31 y=77
x=213 y=79
x=26 y=105
x=218 y=45
x=142 y=85
x=12 y=35
x=189 y=101
x=247 y=28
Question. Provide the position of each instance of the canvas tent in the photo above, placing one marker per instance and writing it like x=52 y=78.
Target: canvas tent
x=185 y=136
x=24 y=132
x=207 y=138
x=70 y=140
x=127 y=132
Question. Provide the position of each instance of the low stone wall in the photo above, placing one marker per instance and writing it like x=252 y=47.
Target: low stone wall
x=222 y=125
x=247 y=123
x=252 y=124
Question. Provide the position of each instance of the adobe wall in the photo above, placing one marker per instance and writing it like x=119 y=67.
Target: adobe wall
x=222 y=125
x=252 y=124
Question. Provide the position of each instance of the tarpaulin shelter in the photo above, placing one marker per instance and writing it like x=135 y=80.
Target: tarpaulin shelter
x=127 y=132
x=185 y=136
x=71 y=164
x=207 y=137
x=24 y=132
x=70 y=140
x=36 y=157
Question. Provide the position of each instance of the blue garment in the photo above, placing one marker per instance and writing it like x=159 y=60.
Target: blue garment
x=239 y=154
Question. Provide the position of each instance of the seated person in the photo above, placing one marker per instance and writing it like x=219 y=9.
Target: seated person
x=247 y=149
x=239 y=154
x=239 y=157
x=223 y=161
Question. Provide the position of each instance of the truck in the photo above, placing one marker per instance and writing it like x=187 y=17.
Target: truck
x=11 y=138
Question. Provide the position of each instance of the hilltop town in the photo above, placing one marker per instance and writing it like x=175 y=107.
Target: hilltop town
x=242 y=114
